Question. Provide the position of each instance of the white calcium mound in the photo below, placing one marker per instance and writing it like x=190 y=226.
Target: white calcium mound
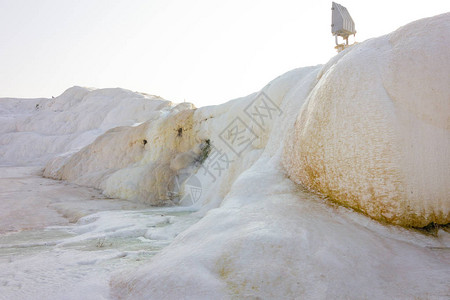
x=374 y=134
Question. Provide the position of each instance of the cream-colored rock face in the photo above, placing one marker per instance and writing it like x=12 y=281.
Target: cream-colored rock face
x=136 y=163
x=374 y=134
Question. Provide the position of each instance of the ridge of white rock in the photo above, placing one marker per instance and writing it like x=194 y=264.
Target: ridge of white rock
x=33 y=131
x=120 y=164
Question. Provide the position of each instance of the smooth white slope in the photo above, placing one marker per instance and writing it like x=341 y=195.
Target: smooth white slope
x=269 y=240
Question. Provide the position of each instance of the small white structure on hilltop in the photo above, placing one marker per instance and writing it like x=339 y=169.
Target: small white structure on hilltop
x=341 y=25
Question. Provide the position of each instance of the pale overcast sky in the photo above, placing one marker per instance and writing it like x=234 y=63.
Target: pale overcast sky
x=202 y=51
